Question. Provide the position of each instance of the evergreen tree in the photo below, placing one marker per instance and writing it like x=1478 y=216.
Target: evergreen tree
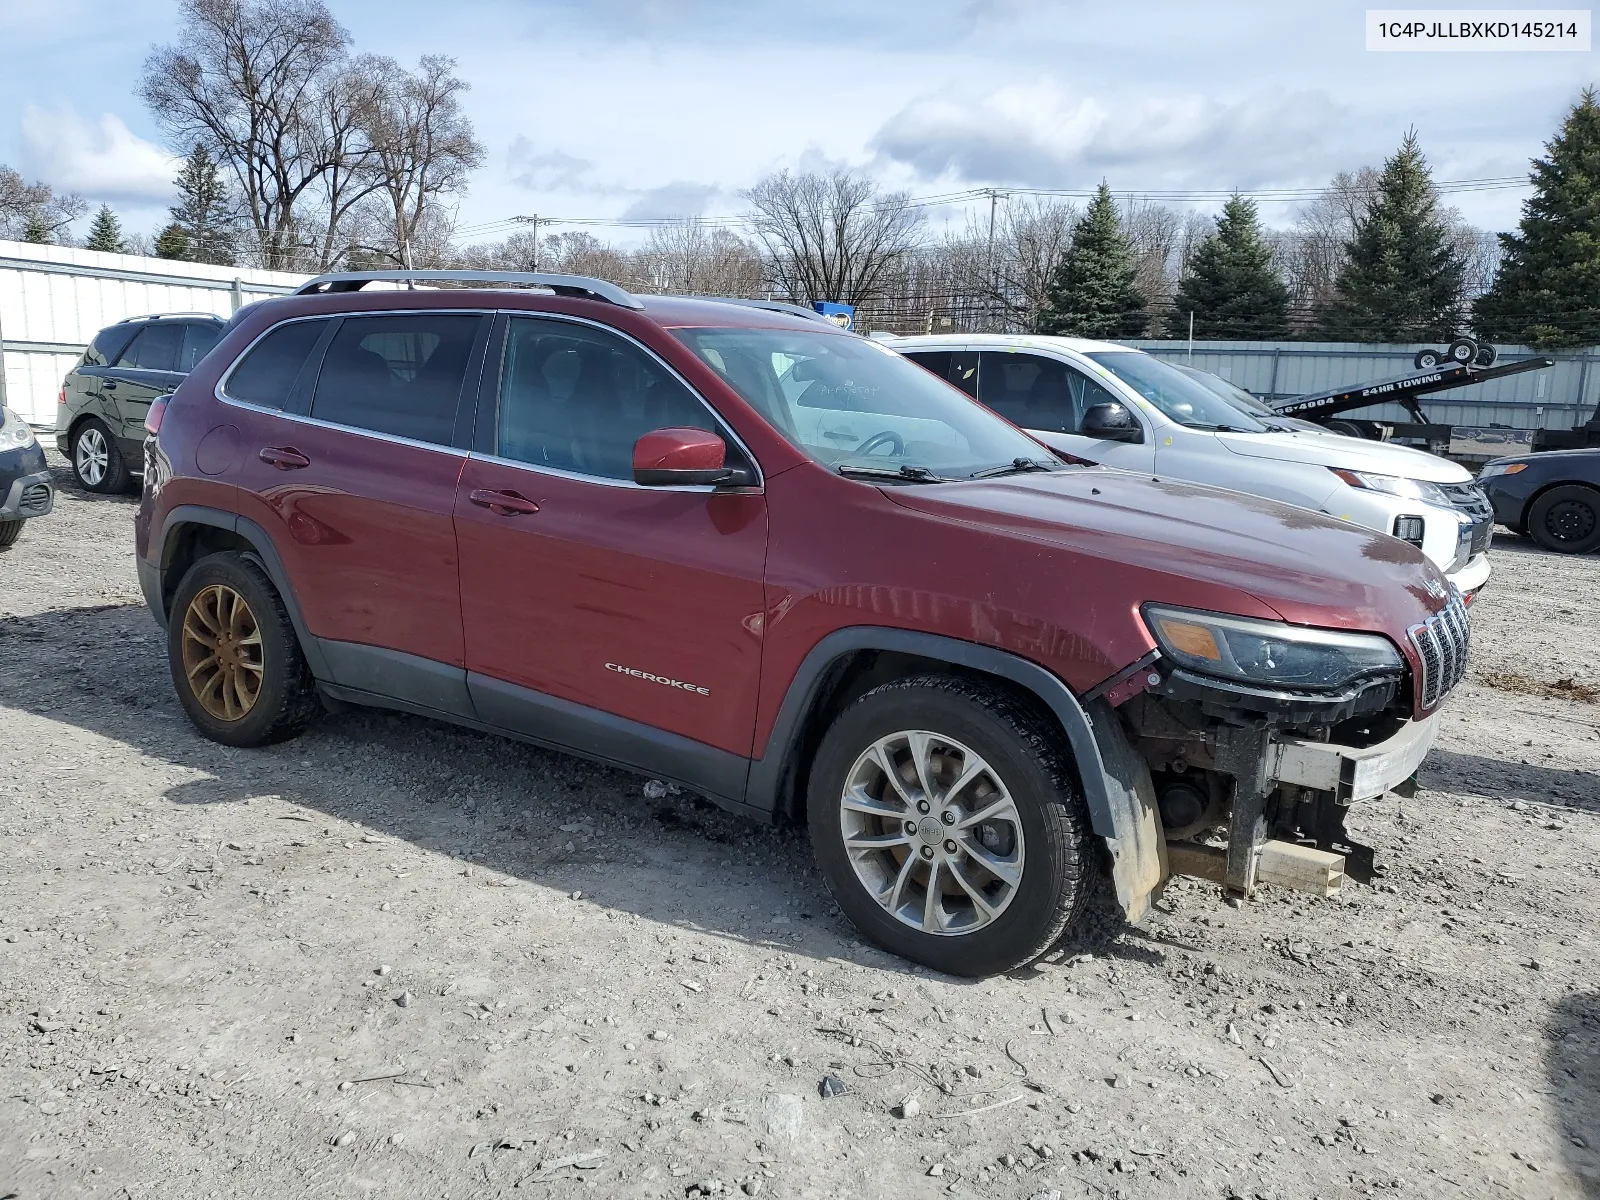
x=38 y=231
x=1547 y=292
x=1231 y=286
x=1403 y=279
x=203 y=212
x=106 y=233
x=1091 y=291
x=173 y=242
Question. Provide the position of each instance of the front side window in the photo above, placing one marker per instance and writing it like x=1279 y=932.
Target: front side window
x=154 y=349
x=1180 y=398
x=1037 y=392
x=849 y=402
x=401 y=375
x=575 y=398
x=266 y=374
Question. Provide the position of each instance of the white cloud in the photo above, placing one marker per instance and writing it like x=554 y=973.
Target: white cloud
x=103 y=159
x=552 y=171
x=678 y=199
x=1042 y=135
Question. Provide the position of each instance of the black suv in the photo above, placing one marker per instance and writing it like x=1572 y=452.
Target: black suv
x=100 y=413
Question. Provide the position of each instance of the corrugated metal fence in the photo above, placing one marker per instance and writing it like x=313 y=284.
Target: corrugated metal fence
x=1563 y=396
x=54 y=299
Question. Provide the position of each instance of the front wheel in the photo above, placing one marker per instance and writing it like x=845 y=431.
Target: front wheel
x=1566 y=519
x=234 y=656
x=10 y=531
x=948 y=824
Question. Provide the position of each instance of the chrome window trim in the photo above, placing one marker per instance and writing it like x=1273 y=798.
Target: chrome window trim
x=221 y=395
x=606 y=480
x=721 y=422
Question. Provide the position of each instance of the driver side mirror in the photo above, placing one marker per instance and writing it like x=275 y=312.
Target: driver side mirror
x=685 y=457
x=1111 y=423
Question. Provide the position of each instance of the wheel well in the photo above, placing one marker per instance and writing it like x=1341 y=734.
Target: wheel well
x=845 y=680
x=1550 y=487
x=188 y=544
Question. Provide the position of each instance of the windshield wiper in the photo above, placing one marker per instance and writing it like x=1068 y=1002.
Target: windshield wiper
x=1015 y=467
x=908 y=473
x=1210 y=428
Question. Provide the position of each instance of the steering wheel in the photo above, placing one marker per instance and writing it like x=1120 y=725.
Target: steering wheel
x=896 y=443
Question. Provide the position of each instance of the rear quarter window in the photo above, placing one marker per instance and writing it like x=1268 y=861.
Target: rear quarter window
x=267 y=372
x=107 y=344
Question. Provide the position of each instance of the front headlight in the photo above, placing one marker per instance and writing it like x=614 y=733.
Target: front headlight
x=1394 y=485
x=1268 y=652
x=14 y=431
x=1502 y=468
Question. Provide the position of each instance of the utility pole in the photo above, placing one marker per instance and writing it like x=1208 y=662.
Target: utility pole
x=533 y=224
x=994 y=284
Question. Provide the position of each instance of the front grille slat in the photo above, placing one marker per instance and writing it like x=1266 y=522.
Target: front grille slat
x=1441 y=643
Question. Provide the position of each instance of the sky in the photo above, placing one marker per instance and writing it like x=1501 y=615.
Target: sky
x=650 y=108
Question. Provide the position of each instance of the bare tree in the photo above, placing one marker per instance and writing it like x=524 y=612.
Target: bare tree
x=1313 y=254
x=423 y=145
x=248 y=80
x=692 y=257
x=831 y=236
x=34 y=211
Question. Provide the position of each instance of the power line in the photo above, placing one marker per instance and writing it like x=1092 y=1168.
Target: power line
x=1282 y=195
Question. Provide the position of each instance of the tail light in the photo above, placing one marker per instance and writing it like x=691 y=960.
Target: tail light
x=158 y=409
x=61 y=397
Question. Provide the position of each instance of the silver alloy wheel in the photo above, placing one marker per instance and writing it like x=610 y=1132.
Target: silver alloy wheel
x=932 y=832
x=93 y=457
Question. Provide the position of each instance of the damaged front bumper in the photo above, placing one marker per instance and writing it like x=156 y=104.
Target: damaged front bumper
x=1349 y=773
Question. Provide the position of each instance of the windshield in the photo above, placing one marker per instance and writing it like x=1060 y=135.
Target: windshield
x=1231 y=392
x=854 y=405
x=1182 y=399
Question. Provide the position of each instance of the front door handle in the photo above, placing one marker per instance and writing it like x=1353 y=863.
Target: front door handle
x=285 y=458
x=505 y=504
x=109 y=384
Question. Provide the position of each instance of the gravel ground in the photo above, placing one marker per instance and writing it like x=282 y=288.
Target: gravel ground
x=398 y=958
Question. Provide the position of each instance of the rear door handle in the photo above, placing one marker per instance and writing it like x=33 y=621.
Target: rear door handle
x=285 y=458
x=505 y=504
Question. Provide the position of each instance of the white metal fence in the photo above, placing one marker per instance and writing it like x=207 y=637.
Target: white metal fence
x=54 y=299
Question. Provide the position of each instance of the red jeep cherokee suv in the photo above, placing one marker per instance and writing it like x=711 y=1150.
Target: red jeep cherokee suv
x=733 y=546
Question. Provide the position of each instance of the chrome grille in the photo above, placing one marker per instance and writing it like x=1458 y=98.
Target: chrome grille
x=35 y=499
x=1441 y=645
x=1469 y=498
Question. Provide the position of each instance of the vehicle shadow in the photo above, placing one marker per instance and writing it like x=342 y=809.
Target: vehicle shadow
x=1497 y=778
x=1573 y=1058
x=491 y=803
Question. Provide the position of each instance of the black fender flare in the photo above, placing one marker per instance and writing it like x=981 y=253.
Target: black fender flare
x=1116 y=782
x=266 y=552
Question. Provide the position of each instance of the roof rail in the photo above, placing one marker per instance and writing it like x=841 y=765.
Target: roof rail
x=779 y=306
x=562 y=285
x=163 y=315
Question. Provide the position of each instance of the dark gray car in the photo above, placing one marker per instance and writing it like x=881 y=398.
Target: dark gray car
x=100 y=417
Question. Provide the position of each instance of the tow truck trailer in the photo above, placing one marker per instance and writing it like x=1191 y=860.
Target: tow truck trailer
x=1325 y=407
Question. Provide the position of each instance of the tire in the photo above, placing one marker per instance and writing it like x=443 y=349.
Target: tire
x=97 y=464
x=1427 y=360
x=1462 y=350
x=1566 y=519
x=1045 y=835
x=284 y=700
x=10 y=531
x=1347 y=428
x=1485 y=356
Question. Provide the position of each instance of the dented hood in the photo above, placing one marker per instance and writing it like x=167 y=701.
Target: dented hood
x=1215 y=548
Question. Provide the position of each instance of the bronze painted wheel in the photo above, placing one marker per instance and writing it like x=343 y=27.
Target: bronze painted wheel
x=222 y=652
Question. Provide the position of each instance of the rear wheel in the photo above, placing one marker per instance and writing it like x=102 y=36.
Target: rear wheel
x=948 y=824
x=1427 y=360
x=10 y=531
x=1463 y=350
x=96 y=462
x=1566 y=519
x=234 y=657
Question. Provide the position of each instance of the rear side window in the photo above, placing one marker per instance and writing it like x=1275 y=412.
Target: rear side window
x=197 y=342
x=267 y=372
x=400 y=375
x=107 y=344
x=959 y=367
x=154 y=349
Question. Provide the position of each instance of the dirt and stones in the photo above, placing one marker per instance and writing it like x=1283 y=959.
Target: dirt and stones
x=396 y=958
